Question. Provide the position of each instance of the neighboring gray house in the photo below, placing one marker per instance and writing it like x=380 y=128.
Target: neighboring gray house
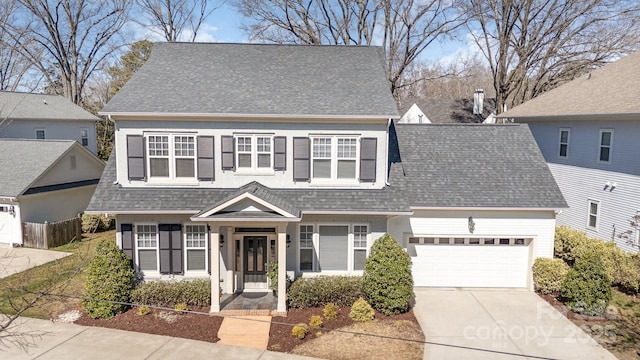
x=41 y=116
x=43 y=180
x=588 y=132
x=229 y=156
x=448 y=111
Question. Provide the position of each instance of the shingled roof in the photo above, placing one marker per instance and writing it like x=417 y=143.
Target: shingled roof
x=28 y=106
x=484 y=166
x=259 y=79
x=25 y=161
x=611 y=89
x=473 y=165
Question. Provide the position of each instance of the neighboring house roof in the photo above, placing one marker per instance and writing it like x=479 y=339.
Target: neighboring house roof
x=28 y=106
x=25 y=161
x=450 y=111
x=473 y=165
x=258 y=79
x=480 y=166
x=611 y=89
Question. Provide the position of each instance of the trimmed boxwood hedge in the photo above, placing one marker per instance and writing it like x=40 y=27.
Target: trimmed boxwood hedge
x=319 y=291
x=171 y=293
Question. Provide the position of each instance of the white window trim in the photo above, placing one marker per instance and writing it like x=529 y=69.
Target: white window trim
x=157 y=248
x=172 y=159
x=334 y=159
x=352 y=244
x=44 y=132
x=316 y=248
x=560 y=143
x=589 y=202
x=206 y=248
x=600 y=146
x=254 y=169
x=83 y=137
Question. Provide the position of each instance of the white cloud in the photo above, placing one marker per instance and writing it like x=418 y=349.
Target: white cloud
x=206 y=33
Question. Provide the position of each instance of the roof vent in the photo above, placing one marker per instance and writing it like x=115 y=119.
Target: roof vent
x=478 y=102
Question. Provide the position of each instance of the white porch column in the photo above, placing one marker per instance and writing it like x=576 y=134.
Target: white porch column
x=231 y=260
x=215 y=269
x=282 y=269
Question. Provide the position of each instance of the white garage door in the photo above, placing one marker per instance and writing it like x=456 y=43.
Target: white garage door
x=470 y=262
x=5 y=224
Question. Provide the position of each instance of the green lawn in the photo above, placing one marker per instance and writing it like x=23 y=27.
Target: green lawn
x=61 y=277
x=627 y=325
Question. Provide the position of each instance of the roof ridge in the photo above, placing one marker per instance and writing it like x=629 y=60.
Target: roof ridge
x=165 y=43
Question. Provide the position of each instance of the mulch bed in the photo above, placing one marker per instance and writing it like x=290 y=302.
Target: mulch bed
x=187 y=325
x=558 y=305
x=205 y=328
x=280 y=338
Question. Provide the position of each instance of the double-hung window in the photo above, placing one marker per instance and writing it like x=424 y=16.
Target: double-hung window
x=254 y=152
x=334 y=157
x=594 y=214
x=84 y=137
x=306 y=248
x=563 y=149
x=196 y=247
x=359 y=246
x=171 y=156
x=147 y=245
x=606 y=143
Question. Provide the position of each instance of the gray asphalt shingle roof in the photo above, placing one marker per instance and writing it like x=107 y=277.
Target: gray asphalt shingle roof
x=28 y=106
x=489 y=166
x=267 y=79
x=24 y=161
x=473 y=166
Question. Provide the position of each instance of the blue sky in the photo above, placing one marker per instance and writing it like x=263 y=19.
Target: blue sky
x=224 y=25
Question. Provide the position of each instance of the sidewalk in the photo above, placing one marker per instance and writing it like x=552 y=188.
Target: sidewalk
x=69 y=341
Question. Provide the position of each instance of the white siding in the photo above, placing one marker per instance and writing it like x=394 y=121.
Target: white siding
x=539 y=225
x=55 y=205
x=86 y=168
x=55 y=130
x=581 y=177
x=617 y=205
x=231 y=179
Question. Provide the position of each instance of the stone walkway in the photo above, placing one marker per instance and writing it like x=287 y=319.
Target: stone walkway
x=245 y=331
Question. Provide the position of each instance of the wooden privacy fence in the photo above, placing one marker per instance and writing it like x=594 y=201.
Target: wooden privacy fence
x=48 y=235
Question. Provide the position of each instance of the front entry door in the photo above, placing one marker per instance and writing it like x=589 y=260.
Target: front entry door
x=255 y=258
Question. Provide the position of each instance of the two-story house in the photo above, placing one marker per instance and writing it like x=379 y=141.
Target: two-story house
x=231 y=156
x=41 y=116
x=587 y=130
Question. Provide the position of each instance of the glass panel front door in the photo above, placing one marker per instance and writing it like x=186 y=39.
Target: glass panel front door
x=255 y=255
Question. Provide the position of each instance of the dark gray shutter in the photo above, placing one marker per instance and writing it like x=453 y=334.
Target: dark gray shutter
x=368 y=151
x=206 y=169
x=301 y=159
x=164 y=232
x=170 y=248
x=135 y=157
x=280 y=153
x=228 y=155
x=126 y=232
x=176 y=249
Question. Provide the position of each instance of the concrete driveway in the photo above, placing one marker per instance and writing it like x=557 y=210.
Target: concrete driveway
x=15 y=260
x=498 y=324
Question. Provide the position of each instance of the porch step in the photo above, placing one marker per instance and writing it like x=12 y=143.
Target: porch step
x=247 y=312
x=246 y=331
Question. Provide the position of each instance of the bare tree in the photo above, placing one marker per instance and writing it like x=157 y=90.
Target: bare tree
x=13 y=66
x=173 y=19
x=533 y=46
x=75 y=37
x=405 y=28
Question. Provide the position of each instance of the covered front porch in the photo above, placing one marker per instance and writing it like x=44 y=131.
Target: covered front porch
x=248 y=237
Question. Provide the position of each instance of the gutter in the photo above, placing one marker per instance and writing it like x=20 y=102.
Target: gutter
x=172 y=116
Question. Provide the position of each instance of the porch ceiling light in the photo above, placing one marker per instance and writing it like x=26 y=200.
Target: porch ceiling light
x=221 y=240
x=288 y=240
x=472 y=225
